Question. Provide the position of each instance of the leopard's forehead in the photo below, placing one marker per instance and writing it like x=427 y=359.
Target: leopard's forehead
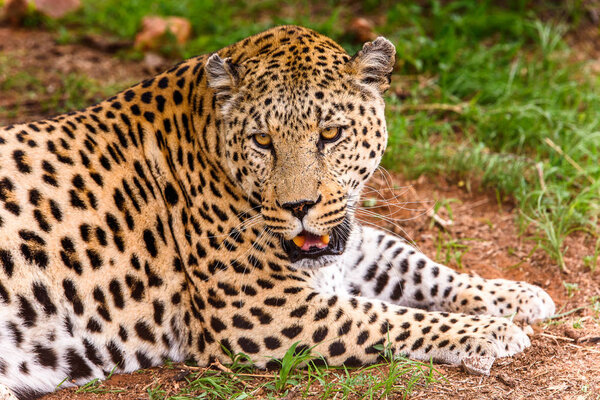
x=291 y=57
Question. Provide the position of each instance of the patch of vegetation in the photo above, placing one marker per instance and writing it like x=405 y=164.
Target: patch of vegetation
x=491 y=94
x=303 y=374
x=215 y=24
x=47 y=92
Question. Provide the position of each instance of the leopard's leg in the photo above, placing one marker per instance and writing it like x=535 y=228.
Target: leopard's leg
x=385 y=267
x=347 y=330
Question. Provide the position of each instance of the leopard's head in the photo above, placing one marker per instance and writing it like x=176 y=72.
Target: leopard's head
x=304 y=129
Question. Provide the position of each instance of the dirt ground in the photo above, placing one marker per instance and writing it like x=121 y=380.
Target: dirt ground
x=484 y=238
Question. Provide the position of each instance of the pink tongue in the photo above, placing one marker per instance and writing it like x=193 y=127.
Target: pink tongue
x=311 y=240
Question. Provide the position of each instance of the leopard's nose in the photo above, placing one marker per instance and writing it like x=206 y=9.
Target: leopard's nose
x=300 y=208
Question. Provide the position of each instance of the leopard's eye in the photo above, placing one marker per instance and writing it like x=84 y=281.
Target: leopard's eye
x=329 y=135
x=262 y=140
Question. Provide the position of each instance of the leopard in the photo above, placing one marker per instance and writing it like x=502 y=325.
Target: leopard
x=210 y=210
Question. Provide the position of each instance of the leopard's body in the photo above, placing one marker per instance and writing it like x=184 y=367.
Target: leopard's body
x=151 y=226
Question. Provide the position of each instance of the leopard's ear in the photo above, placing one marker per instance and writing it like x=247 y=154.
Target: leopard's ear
x=374 y=63
x=223 y=76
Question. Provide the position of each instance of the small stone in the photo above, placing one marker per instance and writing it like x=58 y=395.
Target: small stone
x=154 y=29
x=478 y=365
x=57 y=8
x=362 y=29
x=572 y=333
x=506 y=380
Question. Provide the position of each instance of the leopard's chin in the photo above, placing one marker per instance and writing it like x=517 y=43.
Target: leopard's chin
x=315 y=263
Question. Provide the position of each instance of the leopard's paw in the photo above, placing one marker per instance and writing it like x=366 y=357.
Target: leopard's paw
x=476 y=336
x=528 y=303
x=521 y=301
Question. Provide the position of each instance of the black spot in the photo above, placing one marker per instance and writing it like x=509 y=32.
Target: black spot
x=72 y=296
x=143 y=359
x=22 y=166
x=116 y=355
x=163 y=83
x=241 y=322
x=41 y=295
x=362 y=337
x=136 y=287
x=23 y=368
x=16 y=333
x=76 y=200
x=217 y=325
x=150 y=243
x=91 y=353
x=299 y=312
x=159 y=310
x=123 y=333
x=292 y=331
x=248 y=345
x=160 y=103
x=418 y=344
x=45 y=356
x=144 y=332
x=320 y=334
x=26 y=312
x=322 y=313
x=129 y=95
x=177 y=97
x=345 y=328
x=171 y=194
x=146 y=97
x=7 y=262
x=382 y=281
x=4 y=294
x=274 y=301
x=272 y=343
x=115 y=289
x=95 y=259
x=78 y=368
x=149 y=116
x=93 y=326
x=337 y=348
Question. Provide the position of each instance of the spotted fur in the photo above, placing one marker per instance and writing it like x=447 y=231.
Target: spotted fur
x=152 y=227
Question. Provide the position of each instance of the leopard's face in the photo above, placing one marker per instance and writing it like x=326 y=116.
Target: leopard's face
x=303 y=145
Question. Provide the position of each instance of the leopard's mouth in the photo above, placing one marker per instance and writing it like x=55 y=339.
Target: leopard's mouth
x=310 y=246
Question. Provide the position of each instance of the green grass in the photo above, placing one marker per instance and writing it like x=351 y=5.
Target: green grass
x=507 y=108
x=302 y=374
x=48 y=92
x=215 y=23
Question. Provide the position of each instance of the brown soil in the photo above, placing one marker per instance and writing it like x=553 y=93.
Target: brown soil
x=562 y=363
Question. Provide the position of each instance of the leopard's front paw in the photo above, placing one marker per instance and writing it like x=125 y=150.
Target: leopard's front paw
x=500 y=298
x=454 y=338
x=528 y=303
